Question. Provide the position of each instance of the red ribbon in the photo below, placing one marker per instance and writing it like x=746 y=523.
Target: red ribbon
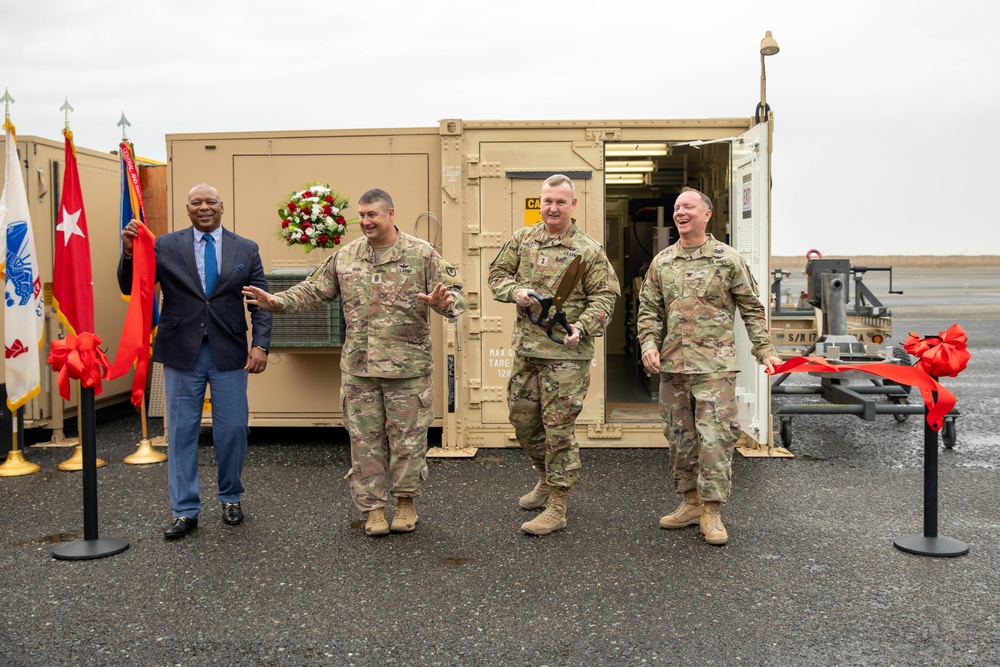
x=944 y=355
x=79 y=357
x=939 y=401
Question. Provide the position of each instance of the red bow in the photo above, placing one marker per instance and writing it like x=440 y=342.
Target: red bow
x=80 y=358
x=944 y=355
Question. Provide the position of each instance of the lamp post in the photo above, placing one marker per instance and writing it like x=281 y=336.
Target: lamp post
x=768 y=47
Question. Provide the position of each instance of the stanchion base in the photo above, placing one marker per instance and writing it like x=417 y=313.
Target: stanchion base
x=15 y=465
x=88 y=549
x=145 y=454
x=942 y=547
x=75 y=462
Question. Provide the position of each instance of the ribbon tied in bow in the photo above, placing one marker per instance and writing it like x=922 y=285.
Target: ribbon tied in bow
x=79 y=357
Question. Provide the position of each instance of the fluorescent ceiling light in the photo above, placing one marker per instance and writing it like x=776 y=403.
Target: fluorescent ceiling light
x=630 y=165
x=632 y=150
x=625 y=179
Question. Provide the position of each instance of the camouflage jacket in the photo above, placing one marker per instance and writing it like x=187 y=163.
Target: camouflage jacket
x=687 y=307
x=388 y=327
x=532 y=260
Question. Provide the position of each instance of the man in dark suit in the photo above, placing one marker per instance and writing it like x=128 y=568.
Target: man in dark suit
x=202 y=341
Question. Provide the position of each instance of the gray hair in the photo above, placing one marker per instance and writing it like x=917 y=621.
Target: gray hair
x=556 y=180
x=377 y=195
x=705 y=199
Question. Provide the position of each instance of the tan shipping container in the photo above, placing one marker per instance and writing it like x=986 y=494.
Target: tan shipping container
x=465 y=186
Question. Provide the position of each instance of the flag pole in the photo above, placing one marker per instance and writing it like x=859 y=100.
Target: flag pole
x=15 y=464
x=75 y=461
x=145 y=452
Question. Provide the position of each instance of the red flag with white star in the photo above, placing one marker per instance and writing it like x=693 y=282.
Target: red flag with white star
x=72 y=281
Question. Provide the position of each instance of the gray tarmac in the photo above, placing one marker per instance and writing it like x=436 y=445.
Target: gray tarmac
x=810 y=575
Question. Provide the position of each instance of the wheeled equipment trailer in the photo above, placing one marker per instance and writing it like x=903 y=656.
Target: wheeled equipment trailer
x=846 y=399
x=827 y=291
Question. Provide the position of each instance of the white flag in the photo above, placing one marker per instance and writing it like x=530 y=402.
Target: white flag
x=23 y=302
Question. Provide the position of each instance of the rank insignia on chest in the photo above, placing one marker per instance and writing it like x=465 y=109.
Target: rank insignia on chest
x=377 y=278
x=543 y=260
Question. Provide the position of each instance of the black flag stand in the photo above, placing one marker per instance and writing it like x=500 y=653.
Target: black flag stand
x=91 y=546
x=930 y=543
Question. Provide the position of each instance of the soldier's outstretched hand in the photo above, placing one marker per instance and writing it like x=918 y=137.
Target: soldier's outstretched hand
x=439 y=297
x=257 y=297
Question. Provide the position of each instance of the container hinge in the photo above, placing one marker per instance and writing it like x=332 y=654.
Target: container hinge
x=604 y=431
x=476 y=170
x=494 y=324
x=480 y=394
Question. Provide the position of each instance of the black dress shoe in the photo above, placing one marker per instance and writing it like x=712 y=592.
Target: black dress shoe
x=232 y=514
x=180 y=528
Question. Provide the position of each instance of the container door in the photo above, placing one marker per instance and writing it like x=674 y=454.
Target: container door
x=749 y=233
x=508 y=176
x=508 y=203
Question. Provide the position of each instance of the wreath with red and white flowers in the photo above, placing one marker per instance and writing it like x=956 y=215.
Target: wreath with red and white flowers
x=314 y=218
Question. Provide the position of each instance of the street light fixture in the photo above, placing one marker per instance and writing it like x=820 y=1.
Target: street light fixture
x=768 y=47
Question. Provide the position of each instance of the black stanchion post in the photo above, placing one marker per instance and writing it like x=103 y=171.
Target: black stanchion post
x=930 y=543
x=91 y=546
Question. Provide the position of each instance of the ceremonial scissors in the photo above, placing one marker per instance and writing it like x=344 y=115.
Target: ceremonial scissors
x=571 y=278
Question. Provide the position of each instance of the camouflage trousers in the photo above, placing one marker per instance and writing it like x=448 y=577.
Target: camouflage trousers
x=387 y=419
x=545 y=396
x=700 y=424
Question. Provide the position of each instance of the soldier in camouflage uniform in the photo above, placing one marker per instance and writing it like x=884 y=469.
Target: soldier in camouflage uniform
x=685 y=327
x=387 y=389
x=549 y=380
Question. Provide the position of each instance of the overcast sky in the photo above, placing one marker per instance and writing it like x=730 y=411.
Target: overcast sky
x=884 y=111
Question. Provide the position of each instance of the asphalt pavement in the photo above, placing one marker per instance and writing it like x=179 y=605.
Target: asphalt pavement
x=810 y=575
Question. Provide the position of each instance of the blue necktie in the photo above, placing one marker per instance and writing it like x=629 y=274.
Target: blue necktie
x=211 y=264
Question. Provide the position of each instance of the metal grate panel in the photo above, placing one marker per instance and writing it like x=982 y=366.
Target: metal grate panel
x=316 y=328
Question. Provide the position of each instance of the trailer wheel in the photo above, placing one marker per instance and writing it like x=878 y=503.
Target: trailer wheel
x=785 y=431
x=902 y=357
x=899 y=400
x=948 y=434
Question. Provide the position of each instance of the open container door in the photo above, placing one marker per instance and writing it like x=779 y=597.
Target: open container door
x=749 y=233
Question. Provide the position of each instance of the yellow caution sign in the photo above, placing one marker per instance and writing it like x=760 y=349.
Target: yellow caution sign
x=532 y=210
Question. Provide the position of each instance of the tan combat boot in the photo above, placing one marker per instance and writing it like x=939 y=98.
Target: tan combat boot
x=711 y=524
x=687 y=513
x=538 y=496
x=554 y=516
x=405 y=519
x=376 y=523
